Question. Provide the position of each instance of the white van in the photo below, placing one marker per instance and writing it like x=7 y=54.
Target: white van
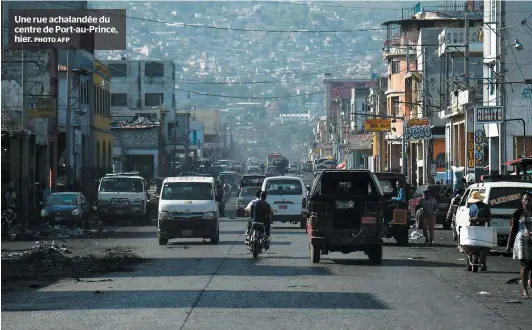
x=123 y=195
x=288 y=197
x=188 y=208
x=503 y=198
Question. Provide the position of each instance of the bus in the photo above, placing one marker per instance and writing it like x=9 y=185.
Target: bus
x=271 y=158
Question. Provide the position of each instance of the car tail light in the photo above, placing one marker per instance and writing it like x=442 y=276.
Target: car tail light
x=368 y=220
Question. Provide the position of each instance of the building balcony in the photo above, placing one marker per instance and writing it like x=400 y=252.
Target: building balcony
x=397 y=47
x=451 y=41
x=11 y=120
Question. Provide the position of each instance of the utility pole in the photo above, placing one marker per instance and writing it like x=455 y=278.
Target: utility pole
x=501 y=87
x=187 y=143
x=68 y=128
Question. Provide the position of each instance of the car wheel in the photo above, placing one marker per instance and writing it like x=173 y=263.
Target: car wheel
x=375 y=254
x=216 y=239
x=315 y=253
x=163 y=241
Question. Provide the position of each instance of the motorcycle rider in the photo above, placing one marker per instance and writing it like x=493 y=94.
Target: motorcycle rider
x=261 y=212
x=248 y=212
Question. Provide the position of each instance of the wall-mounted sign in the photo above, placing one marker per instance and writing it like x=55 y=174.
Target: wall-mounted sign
x=488 y=115
x=470 y=150
x=480 y=141
x=418 y=129
x=377 y=125
x=42 y=107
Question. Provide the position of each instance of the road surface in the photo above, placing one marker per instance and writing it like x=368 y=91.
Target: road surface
x=191 y=285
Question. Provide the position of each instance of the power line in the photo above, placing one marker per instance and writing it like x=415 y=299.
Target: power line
x=213 y=27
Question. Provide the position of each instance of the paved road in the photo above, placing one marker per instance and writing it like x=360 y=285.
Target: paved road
x=190 y=285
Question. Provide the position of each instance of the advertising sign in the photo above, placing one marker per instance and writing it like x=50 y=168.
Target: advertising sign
x=360 y=141
x=377 y=125
x=470 y=150
x=480 y=141
x=488 y=115
x=42 y=107
x=418 y=129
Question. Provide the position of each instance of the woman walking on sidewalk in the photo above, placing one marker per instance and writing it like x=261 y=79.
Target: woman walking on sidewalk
x=521 y=240
x=429 y=205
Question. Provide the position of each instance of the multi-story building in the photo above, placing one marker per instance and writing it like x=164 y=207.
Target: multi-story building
x=405 y=52
x=507 y=41
x=32 y=95
x=143 y=88
x=345 y=107
x=459 y=95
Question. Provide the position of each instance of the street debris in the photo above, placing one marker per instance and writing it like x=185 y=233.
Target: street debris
x=514 y=301
x=48 y=262
x=415 y=235
x=22 y=233
x=516 y=280
x=483 y=293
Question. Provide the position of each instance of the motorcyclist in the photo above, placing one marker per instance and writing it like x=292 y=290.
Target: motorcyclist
x=261 y=212
x=248 y=212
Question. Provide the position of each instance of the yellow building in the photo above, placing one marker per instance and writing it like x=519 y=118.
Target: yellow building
x=102 y=138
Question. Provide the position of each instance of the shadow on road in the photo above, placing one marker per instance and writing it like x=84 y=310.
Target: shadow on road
x=87 y=300
x=397 y=263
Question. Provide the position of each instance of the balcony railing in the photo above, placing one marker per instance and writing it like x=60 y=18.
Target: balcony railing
x=396 y=46
x=451 y=8
x=11 y=119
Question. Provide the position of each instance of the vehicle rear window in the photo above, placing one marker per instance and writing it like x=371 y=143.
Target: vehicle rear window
x=351 y=183
x=441 y=192
x=505 y=198
x=388 y=186
x=284 y=187
x=187 y=191
x=121 y=185
x=252 y=181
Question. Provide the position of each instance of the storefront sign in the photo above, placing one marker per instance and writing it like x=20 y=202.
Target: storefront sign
x=488 y=115
x=378 y=125
x=42 y=107
x=418 y=129
x=360 y=141
x=479 y=149
x=470 y=151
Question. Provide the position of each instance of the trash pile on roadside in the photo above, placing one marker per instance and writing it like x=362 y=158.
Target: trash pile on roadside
x=50 y=261
x=21 y=233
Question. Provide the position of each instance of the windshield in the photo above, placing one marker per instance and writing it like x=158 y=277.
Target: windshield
x=284 y=187
x=329 y=162
x=187 y=191
x=121 y=185
x=505 y=198
x=226 y=177
x=63 y=199
x=252 y=181
x=248 y=192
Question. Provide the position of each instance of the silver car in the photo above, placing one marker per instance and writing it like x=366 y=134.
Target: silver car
x=246 y=195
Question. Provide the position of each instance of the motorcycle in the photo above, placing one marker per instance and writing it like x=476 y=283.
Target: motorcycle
x=258 y=240
x=9 y=217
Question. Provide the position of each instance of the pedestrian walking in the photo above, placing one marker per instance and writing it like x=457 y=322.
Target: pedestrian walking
x=430 y=206
x=479 y=215
x=521 y=241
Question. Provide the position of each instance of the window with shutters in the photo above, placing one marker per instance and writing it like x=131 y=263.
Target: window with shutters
x=154 y=69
